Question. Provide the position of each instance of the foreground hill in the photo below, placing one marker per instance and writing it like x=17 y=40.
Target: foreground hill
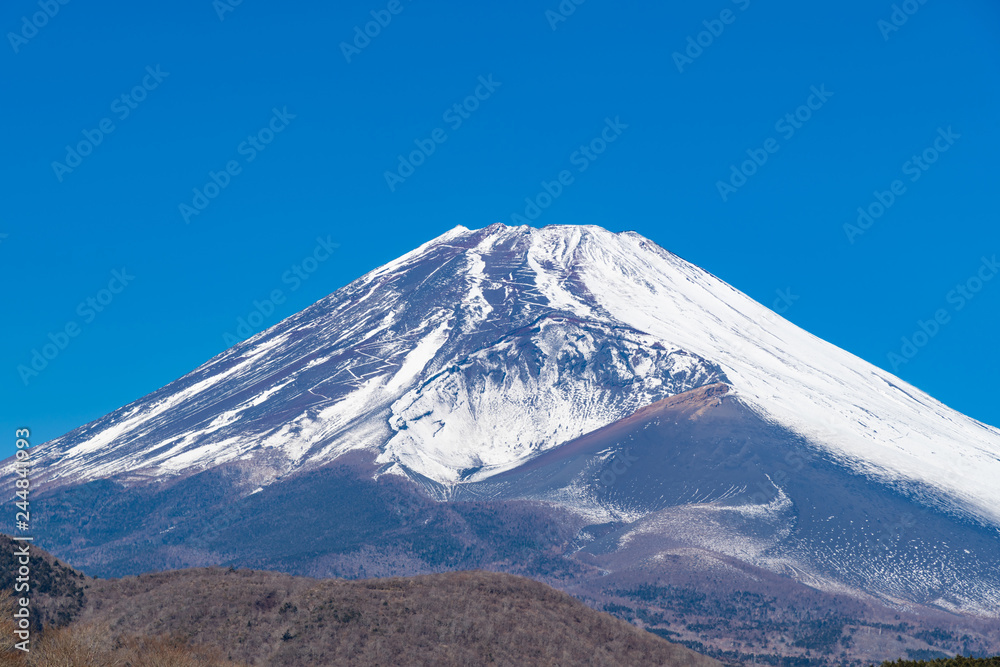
x=459 y=618
x=217 y=616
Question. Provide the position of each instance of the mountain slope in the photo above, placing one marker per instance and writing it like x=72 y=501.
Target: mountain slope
x=702 y=471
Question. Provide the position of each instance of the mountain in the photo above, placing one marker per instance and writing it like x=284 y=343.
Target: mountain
x=461 y=328
x=568 y=403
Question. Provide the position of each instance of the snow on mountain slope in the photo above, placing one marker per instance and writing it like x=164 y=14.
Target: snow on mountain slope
x=482 y=348
x=535 y=388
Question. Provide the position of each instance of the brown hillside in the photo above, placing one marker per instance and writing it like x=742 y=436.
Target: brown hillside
x=211 y=616
x=460 y=618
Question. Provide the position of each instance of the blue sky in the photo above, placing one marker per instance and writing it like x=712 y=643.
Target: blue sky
x=286 y=121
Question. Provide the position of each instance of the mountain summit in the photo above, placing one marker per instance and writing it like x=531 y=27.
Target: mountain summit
x=484 y=348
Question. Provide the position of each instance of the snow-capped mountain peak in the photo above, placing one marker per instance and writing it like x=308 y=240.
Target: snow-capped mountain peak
x=483 y=348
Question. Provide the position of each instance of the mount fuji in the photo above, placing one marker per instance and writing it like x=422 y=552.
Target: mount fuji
x=574 y=404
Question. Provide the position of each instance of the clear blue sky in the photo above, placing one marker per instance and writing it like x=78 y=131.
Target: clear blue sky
x=212 y=83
